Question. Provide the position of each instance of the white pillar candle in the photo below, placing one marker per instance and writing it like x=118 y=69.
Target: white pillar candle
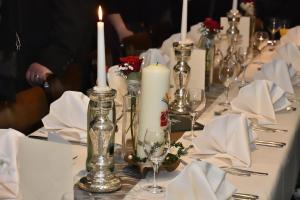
x=101 y=72
x=154 y=88
x=234 y=5
x=184 y=21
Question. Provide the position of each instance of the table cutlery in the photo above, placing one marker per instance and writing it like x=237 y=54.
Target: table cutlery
x=236 y=172
x=268 y=129
x=220 y=112
x=46 y=138
x=245 y=196
x=270 y=143
x=290 y=108
x=256 y=126
x=246 y=171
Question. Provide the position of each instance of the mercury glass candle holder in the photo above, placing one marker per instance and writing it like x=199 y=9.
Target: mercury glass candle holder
x=100 y=141
x=181 y=72
x=233 y=32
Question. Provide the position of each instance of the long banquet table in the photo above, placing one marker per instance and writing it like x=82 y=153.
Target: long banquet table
x=281 y=164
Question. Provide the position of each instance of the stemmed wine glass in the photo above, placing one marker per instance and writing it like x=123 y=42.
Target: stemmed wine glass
x=260 y=38
x=273 y=27
x=242 y=57
x=156 y=146
x=197 y=101
x=227 y=74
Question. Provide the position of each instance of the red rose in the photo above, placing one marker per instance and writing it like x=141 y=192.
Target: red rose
x=212 y=25
x=164 y=118
x=130 y=64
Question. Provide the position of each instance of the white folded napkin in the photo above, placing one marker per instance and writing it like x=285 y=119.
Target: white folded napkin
x=167 y=46
x=229 y=138
x=194 y=33
x=9 y=175
x=280 y=72
x=200 y=180
x=290 y=53
x=69 y=115
x=117 y=82
x=260 y=99
x=292 y=36
x=154 y=56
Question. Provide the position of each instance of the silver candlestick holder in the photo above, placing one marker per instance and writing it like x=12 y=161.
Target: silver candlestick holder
x=100 y=141
x=233 y=32
x=182 y=71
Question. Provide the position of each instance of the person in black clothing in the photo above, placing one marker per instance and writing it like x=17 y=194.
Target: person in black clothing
x=282 y=9
x=124 y=18
x=50 y=34
x=137 y=15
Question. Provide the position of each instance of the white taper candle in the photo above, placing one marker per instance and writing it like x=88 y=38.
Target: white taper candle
x=101 y=72
x=234 y=5
x=184 y=20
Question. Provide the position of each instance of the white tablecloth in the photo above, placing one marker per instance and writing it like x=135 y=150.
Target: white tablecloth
x=282 y=164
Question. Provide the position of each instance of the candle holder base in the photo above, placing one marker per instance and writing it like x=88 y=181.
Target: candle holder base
x=109 y=184
x=180 y=104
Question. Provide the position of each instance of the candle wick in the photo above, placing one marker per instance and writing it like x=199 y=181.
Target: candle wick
x=156 y=63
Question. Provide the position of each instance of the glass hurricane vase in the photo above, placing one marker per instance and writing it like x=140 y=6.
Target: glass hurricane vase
x=207 y=43
x=130 y=119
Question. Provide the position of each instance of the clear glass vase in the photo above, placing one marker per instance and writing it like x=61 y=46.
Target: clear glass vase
x=130 y=119
x=207 y=42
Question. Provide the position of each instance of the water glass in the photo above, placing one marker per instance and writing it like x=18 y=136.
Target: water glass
x=242 y=58
x=197 y=101
x=260 y=39
x=156 y=146
x=227 y=74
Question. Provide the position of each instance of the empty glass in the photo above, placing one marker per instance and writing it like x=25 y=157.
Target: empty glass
x=156 y=146
x=197 y=101
x=259 y=41
x=227 y=74
x=242 y=58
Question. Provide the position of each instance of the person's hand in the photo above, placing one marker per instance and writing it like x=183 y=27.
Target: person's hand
x=36 y=74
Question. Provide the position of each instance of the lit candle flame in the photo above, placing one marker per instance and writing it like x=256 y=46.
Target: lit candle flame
x=100 y=13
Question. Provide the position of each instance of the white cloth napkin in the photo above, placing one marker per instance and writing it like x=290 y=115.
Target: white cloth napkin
x=9 y=175
x=69 y=115
x=292 y=36
x=154 y=56
x=290 y=53
x=117 y=82
x=194 y=33
x=260 y=99
x=167 y=46
x=229 y=138
x=200 y=180
x=279 y=72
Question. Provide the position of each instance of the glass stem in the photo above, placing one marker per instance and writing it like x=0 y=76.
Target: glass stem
x=227 y=95
x=193 y=123
x=155 y=169
x=244 y=73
